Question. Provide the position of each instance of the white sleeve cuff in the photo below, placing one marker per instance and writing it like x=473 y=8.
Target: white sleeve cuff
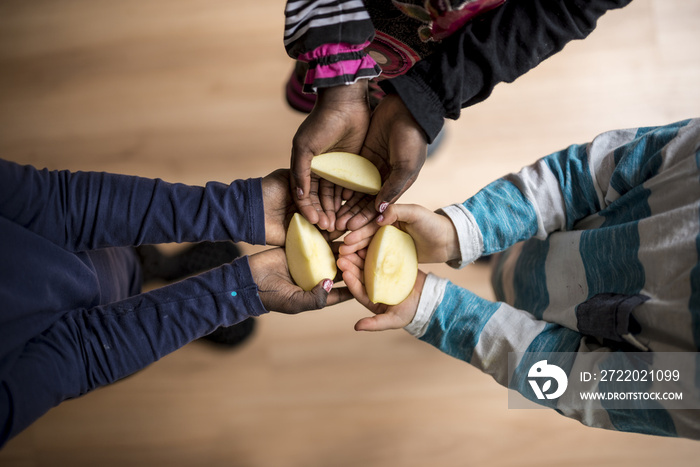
x=471 y=243
x=430 y=297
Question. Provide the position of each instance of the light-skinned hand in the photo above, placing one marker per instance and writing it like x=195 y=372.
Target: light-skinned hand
x=279 y=293
x=338 y=122
x=434 y=234
x=386 y=317
x=398 y=146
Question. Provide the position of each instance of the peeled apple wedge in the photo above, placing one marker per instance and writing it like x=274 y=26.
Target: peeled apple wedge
x=309 y=255
x=391 y=266
x=348 y=170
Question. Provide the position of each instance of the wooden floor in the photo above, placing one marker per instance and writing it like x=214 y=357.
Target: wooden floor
x=192 y=91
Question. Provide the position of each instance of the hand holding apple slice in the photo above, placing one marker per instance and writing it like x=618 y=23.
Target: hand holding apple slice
x=391 y=266
x=348 y=170
x=309 y=255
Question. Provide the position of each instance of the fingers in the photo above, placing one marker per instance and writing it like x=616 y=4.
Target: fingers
x=311 y=208
x=352 y=263
x=358 y=239
x=357 y=204
x=327 y=197
x=304 y=203
x=338 y=197
x=357 y=289
x=338 y=295
x=358 y=215
x=362 y=218
x=301 y=173
x=400 y=179
x=353 y=247
x=351 y=266
x=400 y=213
x=321 y=296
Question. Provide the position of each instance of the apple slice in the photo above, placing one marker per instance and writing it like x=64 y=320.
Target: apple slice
x=309 y=256
x=391 y=266
x=348 y=170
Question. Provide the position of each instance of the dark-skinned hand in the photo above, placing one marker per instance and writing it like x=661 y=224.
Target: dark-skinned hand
x=398 y=146
x=279 y=293
x=338 y=122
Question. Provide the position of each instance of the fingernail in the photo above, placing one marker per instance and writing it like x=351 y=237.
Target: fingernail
x=327 y=285
x=380 y=219
x=300 y=192
x=383 y=206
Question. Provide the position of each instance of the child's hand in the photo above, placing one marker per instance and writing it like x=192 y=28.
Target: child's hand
x=398 y=146
x=386 y=317
x=338 y=122
x=434 y=234
x=278 y=291
x=279 y=206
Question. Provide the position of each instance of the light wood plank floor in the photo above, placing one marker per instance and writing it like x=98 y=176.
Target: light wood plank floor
x=192 y=91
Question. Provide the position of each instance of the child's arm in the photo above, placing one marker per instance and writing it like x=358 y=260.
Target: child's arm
x=331 y=38
x=92 y=347
x=552 y=194
x=498 y=46
x=88 y=210
x=483 y=333
x=565 y=187
x=434 y=235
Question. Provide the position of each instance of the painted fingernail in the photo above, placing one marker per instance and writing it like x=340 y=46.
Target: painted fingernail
x=327 y=285
x=383 y=206
x=300 y=192
x=380 y=218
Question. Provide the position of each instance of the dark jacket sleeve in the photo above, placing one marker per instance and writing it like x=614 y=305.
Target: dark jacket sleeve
x=88 y=210
x=498 y=46
x=90 y=348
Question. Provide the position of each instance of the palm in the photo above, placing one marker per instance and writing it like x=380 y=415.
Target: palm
x=278 y=291
x=397 y=145
x=386 y=317
x=271 y=274
x=338 y=122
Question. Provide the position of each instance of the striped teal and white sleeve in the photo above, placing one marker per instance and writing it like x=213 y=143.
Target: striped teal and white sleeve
x=559 y=190
x=599 y=190
x=483 y=333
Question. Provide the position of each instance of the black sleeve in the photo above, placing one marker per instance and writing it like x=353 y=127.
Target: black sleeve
x=498 y=46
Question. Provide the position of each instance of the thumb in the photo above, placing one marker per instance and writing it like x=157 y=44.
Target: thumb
x=317 y=297
x=398 y=213
x=301 y=172
x=380 y=322
x=395 y=185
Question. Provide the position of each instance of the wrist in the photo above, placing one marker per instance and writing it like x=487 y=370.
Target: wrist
x=393 y=105
x=451 y=240
x=470 y=241
x=356 y=92
x=420 y=101
x=432 y=292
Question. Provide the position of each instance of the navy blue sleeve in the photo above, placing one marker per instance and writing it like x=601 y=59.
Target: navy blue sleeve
x=104 y=344
x=89 y=210
x=498 y=46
